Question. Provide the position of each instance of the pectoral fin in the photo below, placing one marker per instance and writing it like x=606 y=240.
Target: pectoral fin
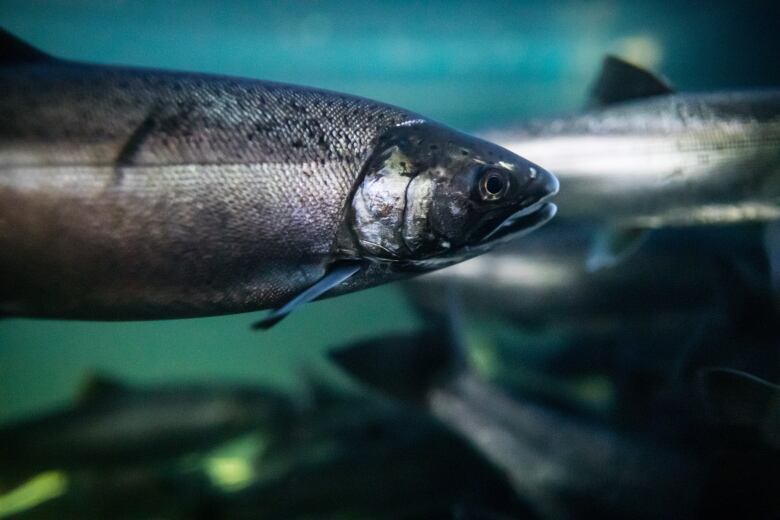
x=335 y=275
x=612 y=246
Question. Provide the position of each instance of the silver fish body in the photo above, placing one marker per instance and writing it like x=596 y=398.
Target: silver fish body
x=560 y=464
x=129 y=193
x=644 y=157
x=542 y=279
x=118 y=426
x=552 y=459
x=109 y=174
x=668 y=160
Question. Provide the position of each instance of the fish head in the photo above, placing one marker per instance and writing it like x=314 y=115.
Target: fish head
x=431 y=194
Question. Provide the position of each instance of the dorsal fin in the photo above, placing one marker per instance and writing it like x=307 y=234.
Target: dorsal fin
x=621 y=81
x=99 y=386
x=409 y=366
x=14 y=50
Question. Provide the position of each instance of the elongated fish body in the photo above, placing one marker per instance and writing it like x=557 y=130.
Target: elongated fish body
x=427 y=471
x=339 y=450
x=644 y=157
x=560 y=463
x=564 y=466
x=109 y=174
x=543 y=280
x=118 y=426
x=675 y=159
x=130 y=193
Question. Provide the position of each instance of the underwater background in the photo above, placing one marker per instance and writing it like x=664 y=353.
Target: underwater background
x=468 y=64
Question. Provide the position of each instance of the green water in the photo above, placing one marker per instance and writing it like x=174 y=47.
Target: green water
x=468 y=64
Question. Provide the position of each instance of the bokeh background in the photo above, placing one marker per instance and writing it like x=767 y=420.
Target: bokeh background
x=468 y=64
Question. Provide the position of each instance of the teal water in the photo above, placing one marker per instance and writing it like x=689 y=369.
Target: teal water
x=468 y=64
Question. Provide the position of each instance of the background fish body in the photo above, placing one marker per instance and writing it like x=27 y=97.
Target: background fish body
x=552 y=459
x=108 y=173
x=543 y=279
x=560 y=464
x=674 y=159
x=113 y=426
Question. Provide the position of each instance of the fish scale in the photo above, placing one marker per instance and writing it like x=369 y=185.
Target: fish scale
x=179 y=169
x=144 y=194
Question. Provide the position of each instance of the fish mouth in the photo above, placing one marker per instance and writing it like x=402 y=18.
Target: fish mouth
x=517 y=225
x=541 y=186
x=523 y=222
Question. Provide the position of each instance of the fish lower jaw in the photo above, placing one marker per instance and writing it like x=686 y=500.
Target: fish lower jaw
x=524 y=221
x=513 y=227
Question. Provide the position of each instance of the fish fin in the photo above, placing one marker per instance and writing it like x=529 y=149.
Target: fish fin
x=320 y=390
x=99 y=386
x=622 y=81
x=772 y=249
x=737 y=397
x=404 y=366
x=612 y=246
x=14 y=50
x=407 y=366
x=337 y=273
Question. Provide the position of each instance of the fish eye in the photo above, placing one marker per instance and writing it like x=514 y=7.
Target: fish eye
x=493 y=185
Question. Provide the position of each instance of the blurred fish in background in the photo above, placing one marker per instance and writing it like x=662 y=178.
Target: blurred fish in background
x=117 y=426
x=683 y=301
x=323 y=452
x=621 y=362
x=566 y=466
x=643 y=157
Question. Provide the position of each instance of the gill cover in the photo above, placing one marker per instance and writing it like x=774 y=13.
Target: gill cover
x=379 y=202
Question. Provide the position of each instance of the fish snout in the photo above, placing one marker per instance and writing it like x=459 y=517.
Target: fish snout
x=538 y=185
